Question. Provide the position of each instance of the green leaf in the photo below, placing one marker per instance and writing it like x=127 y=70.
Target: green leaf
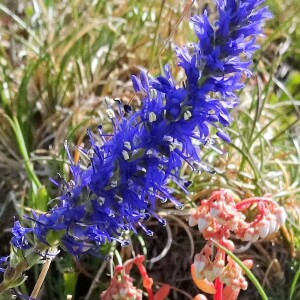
x=70 y=281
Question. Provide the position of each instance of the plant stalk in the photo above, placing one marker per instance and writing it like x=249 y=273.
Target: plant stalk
x=41 y=278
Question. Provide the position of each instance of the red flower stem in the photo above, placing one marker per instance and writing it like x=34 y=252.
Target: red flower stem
x=219 y=289
x=150 y=294
x=138 y=261
x=147 y=281
x=249 y=201
x=218 y=283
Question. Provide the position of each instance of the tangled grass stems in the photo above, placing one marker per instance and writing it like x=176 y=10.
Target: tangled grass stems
x=186 y=229
x=166 y=249
x=278 y=164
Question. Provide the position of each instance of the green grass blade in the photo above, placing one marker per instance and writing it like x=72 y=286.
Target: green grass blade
x=19 y=21
x=294 y=284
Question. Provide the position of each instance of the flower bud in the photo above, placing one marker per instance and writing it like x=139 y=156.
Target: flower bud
x=200 y=297
x=200 y=263
x=192 y=221
x=248 y=235
x=228 y=244
x=280 y=215
x=272 y=223
x=202 y=224
x=263 y=228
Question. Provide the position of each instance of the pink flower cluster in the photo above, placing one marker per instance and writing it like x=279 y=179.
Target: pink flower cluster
x=210 y=267
x=121 y=285
x=122 y=288
x=219 y=218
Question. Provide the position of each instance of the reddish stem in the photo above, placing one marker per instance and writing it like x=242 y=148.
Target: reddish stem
x=150 y=294
x=218 y=283
x=249 y=201
x=147 y=281
x=138 y=261
x=219 y=289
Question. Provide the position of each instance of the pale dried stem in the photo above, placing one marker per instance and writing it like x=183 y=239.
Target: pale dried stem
x=41 y=278
x=95 y=281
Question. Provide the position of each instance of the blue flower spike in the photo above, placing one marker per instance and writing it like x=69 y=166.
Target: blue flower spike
x=130 y=170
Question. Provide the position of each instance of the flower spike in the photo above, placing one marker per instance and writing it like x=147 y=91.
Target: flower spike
x=130 y=169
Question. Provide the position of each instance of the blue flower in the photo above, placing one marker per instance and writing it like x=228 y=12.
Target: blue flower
x=215 y=65
x=130 y=169
x=19 y=239
x=3 y=259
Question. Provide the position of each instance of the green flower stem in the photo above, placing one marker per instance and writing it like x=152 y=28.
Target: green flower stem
x=12 y=276
x=19 y=263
